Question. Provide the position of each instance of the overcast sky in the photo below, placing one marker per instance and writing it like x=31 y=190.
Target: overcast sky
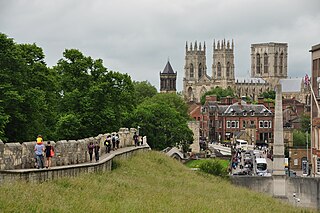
x=137 y=37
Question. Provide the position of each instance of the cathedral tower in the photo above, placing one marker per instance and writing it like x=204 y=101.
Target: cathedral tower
x=196 y=81
x=223 y=64
x=269 y=61
x=168 y=80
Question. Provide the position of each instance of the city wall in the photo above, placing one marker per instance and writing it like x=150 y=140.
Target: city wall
x=71 y=158
x=67 y=152
x=305 y=189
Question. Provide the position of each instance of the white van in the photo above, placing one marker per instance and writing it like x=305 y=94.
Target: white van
x=241 y=144
x=261 y=166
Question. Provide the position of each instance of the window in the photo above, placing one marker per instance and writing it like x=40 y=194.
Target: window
x=318 y=165
x=200 y=71
x=260 y=124
x=220 y=124
x=228 y=69
x=237 y=124
x=265 y=61
x=258 y=63
x=191 y=71
x=244 y=124
x=228 y=124
x=233 y=124
x=270 y=126
x=275 y=63
x=281 y=63
x=252 y=123
x=219 y=70
x=244 y=113
x=266 y=124
x=252 y=113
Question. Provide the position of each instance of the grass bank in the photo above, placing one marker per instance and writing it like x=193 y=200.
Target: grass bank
x=148 y=182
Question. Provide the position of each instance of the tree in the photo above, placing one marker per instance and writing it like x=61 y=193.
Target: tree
x=300 y=139
x=269 y=96
x=161 y=121
x=100 y=99
x=305 y=123
x=219 y=92
x=143 y=90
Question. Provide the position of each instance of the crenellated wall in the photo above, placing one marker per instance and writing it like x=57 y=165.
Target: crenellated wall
x=67 y=152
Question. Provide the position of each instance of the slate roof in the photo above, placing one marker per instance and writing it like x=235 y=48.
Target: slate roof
x=237 y=109
x=168 y=69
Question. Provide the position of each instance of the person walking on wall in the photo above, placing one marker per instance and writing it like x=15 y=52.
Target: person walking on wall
x=39 y=149
x=113 y=142
x=96 y=151
x=107 y=143
x=49 y=151
x=90 y=150
x=117 y=141
x=136 y=139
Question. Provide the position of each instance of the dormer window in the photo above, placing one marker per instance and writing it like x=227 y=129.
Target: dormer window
x=233 y=112
x=244 y=113
x=251 y=112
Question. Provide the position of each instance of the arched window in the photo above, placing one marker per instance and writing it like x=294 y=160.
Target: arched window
x=281 y=63
x=200 y=71
x=228 y=69
x=265 y=62
x=190 y=94
x=219 y=70
x=275 y=63
x=191 y=71
x=258 y=63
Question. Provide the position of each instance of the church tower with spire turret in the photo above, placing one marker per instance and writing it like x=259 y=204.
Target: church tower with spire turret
x=168 y=79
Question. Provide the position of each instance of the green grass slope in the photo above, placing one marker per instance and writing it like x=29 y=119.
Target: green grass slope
x=147 y=182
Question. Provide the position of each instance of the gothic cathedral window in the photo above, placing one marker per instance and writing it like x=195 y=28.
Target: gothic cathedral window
x=275 y=63
x=191 y=71
x=258 y=63
x=281 y=63
x=228 y=69
x=265 y=63
x=219 y=70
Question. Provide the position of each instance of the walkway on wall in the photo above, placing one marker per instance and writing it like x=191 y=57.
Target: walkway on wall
x=40 y=175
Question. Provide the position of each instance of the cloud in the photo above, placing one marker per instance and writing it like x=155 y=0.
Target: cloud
x=137 y=37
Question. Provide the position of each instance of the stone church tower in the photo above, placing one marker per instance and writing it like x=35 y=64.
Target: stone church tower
x=168 y=80
x=196 y=81
x=269 y=62
x=223 y=64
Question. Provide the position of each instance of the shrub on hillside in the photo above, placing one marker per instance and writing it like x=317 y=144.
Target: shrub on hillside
x=214 y=167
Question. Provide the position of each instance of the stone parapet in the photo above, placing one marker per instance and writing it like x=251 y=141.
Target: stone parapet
x=58 y=172
x=67 y=152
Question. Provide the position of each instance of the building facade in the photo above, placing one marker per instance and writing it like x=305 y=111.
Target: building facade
x=268 y=67
x=229 y=119
x=315 y=111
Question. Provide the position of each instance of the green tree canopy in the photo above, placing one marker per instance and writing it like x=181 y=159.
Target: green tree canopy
x=300 y=138
x=219 y=92
x=163 y=120
x=143 y=90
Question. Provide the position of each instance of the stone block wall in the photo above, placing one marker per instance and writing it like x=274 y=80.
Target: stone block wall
x=67 y=152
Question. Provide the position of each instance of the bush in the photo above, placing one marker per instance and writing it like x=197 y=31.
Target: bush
x=214 y=167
